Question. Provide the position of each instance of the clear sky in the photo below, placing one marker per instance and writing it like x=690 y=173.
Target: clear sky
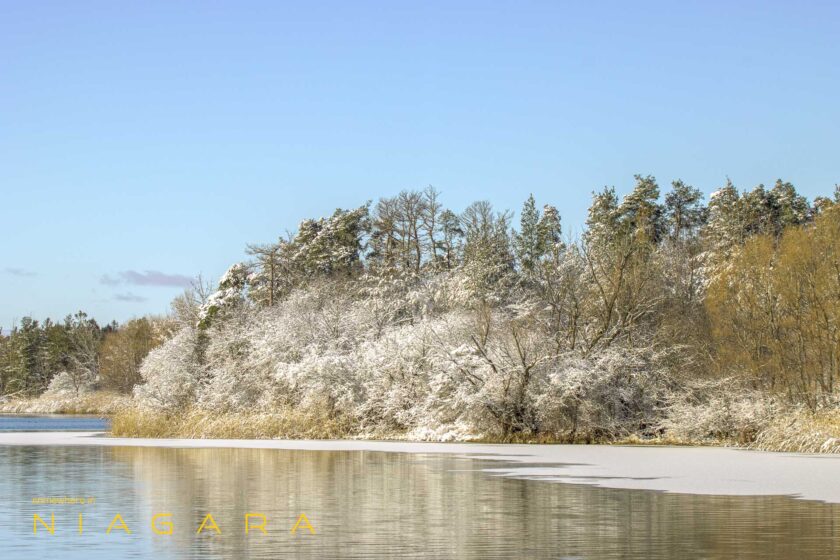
x=145 y=142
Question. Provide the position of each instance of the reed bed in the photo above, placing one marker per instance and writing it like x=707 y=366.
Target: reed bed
x=802 y=431
x=799 y=431
x=196 y=423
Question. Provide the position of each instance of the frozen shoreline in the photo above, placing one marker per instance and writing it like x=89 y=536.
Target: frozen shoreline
x=691 y=470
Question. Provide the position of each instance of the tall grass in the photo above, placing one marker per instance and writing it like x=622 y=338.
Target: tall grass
x=196 y=423
x=797 y=431
x=802 y=432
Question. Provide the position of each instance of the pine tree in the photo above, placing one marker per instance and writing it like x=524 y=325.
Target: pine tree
x=640 y=213
x=602 y=222
x=758 y=213
x=331 y=245
x=527 y=242
x=725 y=227
x=684 y=212
x=551 y=233
x=788 y=208
x=228 y=295
x=487 y=254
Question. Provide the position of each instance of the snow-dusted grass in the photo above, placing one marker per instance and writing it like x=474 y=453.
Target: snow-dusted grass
x=795 y=431
x=195 y=423
x=802 y=431
x=100 y=403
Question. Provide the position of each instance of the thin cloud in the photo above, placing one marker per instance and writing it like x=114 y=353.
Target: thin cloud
x=129 y=297
x=19 y=272
x=147 y=278
x=109 y=281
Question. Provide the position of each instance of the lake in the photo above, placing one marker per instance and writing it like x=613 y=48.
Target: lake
x=370 y=504
x=55 y=422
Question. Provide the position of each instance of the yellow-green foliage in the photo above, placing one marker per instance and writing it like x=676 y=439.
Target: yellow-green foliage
x=123 y=350
x=775 y=312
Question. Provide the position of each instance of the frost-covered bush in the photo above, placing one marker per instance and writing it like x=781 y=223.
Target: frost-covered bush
x=395 y=371
x=170 y=373
x=719 y=410
x=612 y=394
x=67 y=383
x=297 y=353
x=485 y=370
x=420 y=364
x=408 y=355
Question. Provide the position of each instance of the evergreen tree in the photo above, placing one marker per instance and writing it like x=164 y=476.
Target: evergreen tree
x=527 y=242
x=331 y=245
x=640 y=213
x=725 y=228
x=551 y=233
x=787 y=207
x=229 y=294
x=602 y=222
x=487 y=252
x=684 y=212
x=758 y=212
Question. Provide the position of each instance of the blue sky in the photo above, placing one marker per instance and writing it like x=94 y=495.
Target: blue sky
x=142 y=143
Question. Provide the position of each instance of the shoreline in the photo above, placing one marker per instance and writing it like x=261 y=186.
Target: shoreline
x=687 y=470
x=88 y=404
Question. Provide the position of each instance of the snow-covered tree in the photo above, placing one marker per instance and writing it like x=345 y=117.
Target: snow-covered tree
x=487 y=253
x=551 y=233
x=170 y=374
x=640 y=213
x=602 y=222
x=527 y=242
x=229 y=294
x=331 y=245
x=451 y=242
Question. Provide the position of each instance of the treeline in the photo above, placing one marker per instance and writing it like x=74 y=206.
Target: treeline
x=76 y=355
x=412 y=233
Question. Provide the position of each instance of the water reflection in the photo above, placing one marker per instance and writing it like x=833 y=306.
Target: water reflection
x=373 y=504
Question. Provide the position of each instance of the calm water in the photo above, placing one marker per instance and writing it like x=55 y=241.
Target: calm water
x=374 y=505
x=9 y=423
